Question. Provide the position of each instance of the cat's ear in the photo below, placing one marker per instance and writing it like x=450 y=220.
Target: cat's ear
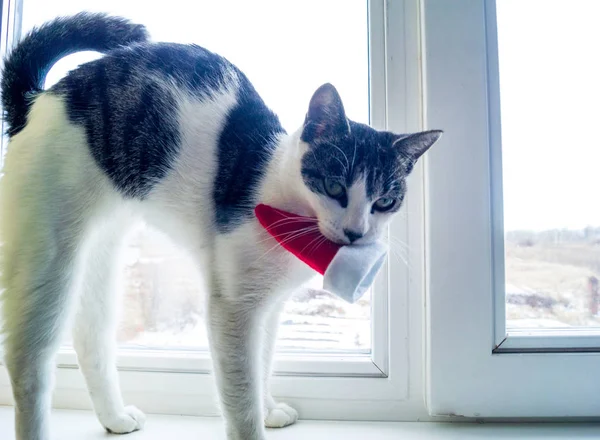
x=326 y=116
x=416 y=144
x=413 y=146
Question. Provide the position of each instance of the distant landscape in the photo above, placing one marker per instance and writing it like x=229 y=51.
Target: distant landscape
x=164 y=305
x=550 y=278
x=549 y=283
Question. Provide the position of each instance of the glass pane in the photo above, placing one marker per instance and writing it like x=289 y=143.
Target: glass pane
x=550 y=90
x=287 y=49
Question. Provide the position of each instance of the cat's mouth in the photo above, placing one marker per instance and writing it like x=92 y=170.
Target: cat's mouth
x=340 y=239
x=333 y=236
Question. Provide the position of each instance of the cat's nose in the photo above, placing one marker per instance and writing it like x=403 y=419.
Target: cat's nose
x=352 y=235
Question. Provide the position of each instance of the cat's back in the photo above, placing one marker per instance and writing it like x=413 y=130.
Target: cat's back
x=130 y=69
x=155 y=111
x=142 y=104
x=129 y=103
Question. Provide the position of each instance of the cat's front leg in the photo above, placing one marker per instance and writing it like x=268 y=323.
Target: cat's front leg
x=277 y=414
x=236 y=347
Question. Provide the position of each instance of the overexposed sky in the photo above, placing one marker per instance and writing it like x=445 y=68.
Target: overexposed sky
x=549 y=73
x=549 y=52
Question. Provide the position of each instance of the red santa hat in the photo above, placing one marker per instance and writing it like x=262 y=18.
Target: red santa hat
x=348 y=270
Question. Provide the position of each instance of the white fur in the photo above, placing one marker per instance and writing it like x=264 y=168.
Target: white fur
x=63 y=223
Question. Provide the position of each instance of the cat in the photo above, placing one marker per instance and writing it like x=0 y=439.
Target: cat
x=178 y=137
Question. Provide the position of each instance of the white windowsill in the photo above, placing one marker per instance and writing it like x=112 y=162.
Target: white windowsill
x=76 y=425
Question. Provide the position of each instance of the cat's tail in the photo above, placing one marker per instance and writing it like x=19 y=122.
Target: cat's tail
x=26 y=66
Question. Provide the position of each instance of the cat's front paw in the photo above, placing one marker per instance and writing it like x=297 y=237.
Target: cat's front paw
x=131 y=419
x=280 y=415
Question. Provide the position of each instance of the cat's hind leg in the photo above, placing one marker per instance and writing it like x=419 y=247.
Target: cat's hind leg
x=94 y=332
x=50 y=192
x=35 y=302
x=40 y=251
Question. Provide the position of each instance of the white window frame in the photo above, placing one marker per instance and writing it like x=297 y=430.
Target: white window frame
x=474 y=367
x=384 y=386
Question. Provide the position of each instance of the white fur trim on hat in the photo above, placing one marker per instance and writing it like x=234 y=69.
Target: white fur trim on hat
x=353 y=270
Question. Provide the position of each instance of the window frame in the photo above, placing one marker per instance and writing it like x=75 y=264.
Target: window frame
x=384 y=386
x=472 y=369
x=517 y=340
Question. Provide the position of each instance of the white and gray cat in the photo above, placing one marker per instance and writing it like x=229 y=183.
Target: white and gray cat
x=177 y=136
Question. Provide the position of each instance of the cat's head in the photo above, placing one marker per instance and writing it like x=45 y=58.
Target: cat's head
x=355 y=175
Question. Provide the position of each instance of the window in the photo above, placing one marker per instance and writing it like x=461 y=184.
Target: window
x=512 y=256
x=334 y=357
x=163 y=306
x=552 y=251
x=494 y=312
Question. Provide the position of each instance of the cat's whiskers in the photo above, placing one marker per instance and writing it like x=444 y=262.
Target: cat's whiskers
x=343 y=154
x=279 y=234
x=392 y=177
x=316 y=239
x=345 y=167
x=314 y=155
x=319 y=243
x=295 y=235
x=302 y=232
x=341 y=163
x=398 y=246
x=290 y=234
x=399 y=242
x=353 y=156
x=401 y=258
x=294 y=220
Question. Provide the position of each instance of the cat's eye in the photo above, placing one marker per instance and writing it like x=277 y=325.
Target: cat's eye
x=384 y=204
x=333 y=189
